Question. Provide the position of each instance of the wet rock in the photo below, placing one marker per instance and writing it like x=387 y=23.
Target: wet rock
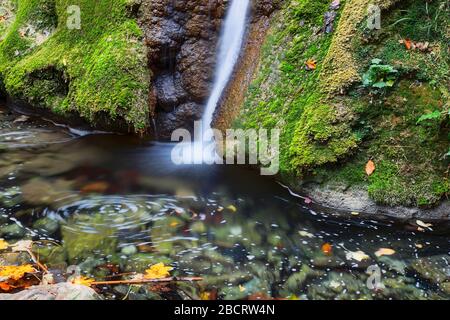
x=14 y=258
x=129 y=250
x=297 y=281
x=12 y=231
x=435 y=269
x=81 y=244
x=182 y=117
x=10 y=197
x=46 y=225
x=60 y=291
x=38 y=191
x=169 y=91
x=392 y=264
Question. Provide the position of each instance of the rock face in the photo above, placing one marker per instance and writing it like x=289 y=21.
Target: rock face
x=181 y=37
x=60 y=291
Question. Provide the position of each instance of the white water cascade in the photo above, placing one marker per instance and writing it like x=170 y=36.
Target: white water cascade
x=230 y=46
x=202 y=150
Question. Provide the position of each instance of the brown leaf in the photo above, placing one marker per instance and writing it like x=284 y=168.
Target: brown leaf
x=370 y=168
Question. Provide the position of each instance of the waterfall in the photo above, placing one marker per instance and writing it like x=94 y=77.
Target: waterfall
x=202 y=150
x=231 y=41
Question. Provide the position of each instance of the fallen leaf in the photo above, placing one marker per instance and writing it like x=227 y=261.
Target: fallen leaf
x=241 y=288
x=205 y=295
x=354 y=213
x=370 y=167
x=327 y=248
x=306 y=234
x=232 y=208
x=157 y=271
x=95 y=187
x=384 y=252
x=423 y=224
x=408 y=44
x=15 y=272
x=5 y=286
x=22 y=245
x=356 y=255
x=3 y=244
x=419 y=246
x=174 y=224
x=81 y=280
x=311 y=64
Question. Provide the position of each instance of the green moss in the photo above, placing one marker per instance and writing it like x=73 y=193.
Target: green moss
x=329 y=135
x=102 y=66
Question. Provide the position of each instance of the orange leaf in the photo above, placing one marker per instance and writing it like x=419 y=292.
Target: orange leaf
x=384 y=252
x=311 y=64
x=370 y=167
x=95 y=187
x=5 y=286
x=408 y=44
x=327 y=248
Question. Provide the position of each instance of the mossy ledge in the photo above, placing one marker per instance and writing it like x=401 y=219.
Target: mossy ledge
x=332 y=124
x=98 y=72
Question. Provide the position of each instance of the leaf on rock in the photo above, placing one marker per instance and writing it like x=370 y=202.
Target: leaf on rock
x=81 y=280
x=3 y=244
x=15 y=272
x=157 y=271
x=384 y=252
x=370 y=168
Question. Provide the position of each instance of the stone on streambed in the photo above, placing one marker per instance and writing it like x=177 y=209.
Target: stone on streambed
x=81 y=244
x=12 y=231
x=39 y=191
x=46 y=225
x=298 y=280
x=435 y=269
x=60 y=291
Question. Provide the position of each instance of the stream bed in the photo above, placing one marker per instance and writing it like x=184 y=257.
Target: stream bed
x=112 y=204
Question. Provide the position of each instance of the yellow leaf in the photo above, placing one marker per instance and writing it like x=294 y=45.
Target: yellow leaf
x=241 y=288
x=84 y=281
x=232 y=208
x=15 y=272
x=311 y=64
x=3 y=244
x=370 y=167
x=354 y=213
x=174 y=224
x=157 y=271
x=205 y=295
x=384 y=252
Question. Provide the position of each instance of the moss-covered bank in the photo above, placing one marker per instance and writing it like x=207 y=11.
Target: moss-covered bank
x=370 y=98
x=98 y=71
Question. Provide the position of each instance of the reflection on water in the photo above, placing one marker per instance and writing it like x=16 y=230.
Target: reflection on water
x=116 y=204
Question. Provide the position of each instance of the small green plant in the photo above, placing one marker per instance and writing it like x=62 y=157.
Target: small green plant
x=430 y=117
x=379 y=75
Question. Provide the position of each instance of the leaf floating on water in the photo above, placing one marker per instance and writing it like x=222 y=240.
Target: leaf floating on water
x=306 y=234
x=22 y=245
x=15 y=272
x=157 y=271
x=327 y=248
x=357 y=255
x=384 y=252
x=232 y=208
x=3 y=244
x=83 y=281
x=422 y=224
x=370 y=168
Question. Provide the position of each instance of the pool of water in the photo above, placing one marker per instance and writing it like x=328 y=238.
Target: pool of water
x=114 y=205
